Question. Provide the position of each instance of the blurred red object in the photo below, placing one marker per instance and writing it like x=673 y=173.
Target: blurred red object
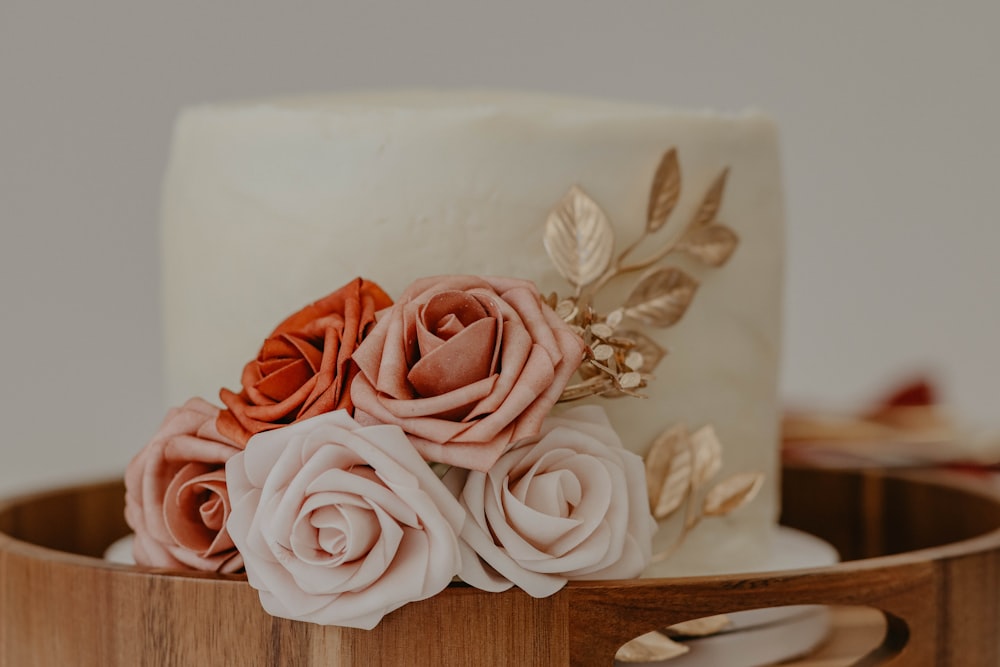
x=907 y=426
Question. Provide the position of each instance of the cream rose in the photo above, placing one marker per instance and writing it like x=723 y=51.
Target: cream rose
x=466 y=366
x=175 y=494
x=340 y=524
x=570 y=504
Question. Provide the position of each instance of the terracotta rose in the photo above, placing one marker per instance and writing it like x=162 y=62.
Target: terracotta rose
x=340 y=524
x=569 y=504
x=175 y=494
x=304 y=368
x=466 y=366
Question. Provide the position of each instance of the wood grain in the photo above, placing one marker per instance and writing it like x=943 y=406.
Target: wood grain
x=927 y=554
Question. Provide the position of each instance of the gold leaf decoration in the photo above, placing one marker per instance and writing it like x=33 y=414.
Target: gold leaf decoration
x=650 y=647
x=634 y=360
x=709 y=207
x=706 y=453
x=658 y=460
x=662 y=297
x=678 y=466
x=630 y=380
x=602 y=330
x=595 y=385
x=580 y=242
x=712 y=245
x=566 y=310
x=676 y=484
x=579 y=239
x=665 y=192
x=652 y=353
x=699 y=627
x=732 y=493
x=603 y=352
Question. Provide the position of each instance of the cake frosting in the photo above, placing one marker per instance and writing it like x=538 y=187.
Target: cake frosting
x=270 y=205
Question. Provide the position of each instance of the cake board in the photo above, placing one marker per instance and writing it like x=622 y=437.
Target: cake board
x=924 y=550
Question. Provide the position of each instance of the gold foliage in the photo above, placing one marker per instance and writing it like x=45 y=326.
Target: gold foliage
x=668 y=471
x=579 y=239
x=679 y=467
x=712 y=245
x=732 y=493
x=665 y=192
x=707 y=454
x=699 y=627
x=712 y=202
x=661 y=298
x=650 y=647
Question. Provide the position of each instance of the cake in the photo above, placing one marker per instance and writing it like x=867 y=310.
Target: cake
x=508 y=275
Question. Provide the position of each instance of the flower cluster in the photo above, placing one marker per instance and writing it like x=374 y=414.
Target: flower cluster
x=315 y=477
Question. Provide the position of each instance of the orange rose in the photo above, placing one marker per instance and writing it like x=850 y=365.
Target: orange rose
x=304 y=368
x=466 y=366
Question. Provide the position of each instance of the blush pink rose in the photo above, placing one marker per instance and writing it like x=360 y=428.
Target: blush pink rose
x=570 y=504
x=466 y=366
x=340 y=524
x=175 y=494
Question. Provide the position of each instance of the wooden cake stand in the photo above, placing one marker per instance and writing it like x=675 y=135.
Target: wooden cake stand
x=922 y=549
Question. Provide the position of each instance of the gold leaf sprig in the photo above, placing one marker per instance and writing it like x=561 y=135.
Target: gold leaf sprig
x=620 y=358
x=579 y=239
x=680 y=468
x=692 y=238
x=661 y=645
x=650 y=647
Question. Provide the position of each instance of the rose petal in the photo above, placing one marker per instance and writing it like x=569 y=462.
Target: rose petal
x=515 y=353
x=535 y=527
x=554 y=493
x=465 y=358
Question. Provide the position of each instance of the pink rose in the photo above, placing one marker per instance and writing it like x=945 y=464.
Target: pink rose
x=570 y=504
x=466 y=366
x=340 y=524
x=175 y=494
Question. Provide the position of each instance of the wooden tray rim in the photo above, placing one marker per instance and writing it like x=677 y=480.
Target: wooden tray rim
x=965 y=547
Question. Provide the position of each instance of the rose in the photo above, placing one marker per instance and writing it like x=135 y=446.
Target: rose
x=570 y=504
x=175 y=494
x=304 y=368
x=466 y=366
x=340 y=524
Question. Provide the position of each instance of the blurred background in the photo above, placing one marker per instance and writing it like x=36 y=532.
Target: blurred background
x=888 y=113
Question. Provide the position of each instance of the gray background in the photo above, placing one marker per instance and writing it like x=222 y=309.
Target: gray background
x=888 y=113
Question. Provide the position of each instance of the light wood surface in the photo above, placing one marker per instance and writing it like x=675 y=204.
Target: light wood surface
x=927 y=554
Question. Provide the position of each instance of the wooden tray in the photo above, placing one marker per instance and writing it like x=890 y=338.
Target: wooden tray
x=925 y=550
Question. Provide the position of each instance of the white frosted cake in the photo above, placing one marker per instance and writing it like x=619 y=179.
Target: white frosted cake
x=270 y=205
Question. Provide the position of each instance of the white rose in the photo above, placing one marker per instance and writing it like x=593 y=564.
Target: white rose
x=339 y=524
x=568 y=504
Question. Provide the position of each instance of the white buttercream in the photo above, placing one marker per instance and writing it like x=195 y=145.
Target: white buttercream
x=271 y=205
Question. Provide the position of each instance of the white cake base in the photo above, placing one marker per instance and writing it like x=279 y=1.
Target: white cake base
x=766 y=636
x=755 y=637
